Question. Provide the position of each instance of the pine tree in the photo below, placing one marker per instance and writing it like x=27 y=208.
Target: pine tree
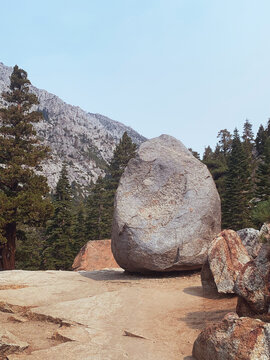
x=99 y=208
x=217 y=165
x=248 y=136
x=260 y=140
x=22 y=191
x=59 y=249
x=79 y=238
x=123 y=152
x=30 y=244
x=236 y=210
x=225 y=141
x=99 y=211
x=263 y=174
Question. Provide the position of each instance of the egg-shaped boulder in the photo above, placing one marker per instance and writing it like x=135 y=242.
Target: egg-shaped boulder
x=167 y=209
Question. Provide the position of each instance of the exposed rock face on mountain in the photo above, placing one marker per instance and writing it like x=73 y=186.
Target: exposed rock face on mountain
x=167 y=209
x=234 y=338
x=85 y=141
x=253 y=286
x=95 y=255
x=251 y=240
x=225 y=259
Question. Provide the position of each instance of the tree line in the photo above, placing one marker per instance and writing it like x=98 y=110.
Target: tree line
x=240 y=166
x=45 y=231
x=38 y=229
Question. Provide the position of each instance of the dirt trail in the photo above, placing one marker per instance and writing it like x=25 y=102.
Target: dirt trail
x=103 y=315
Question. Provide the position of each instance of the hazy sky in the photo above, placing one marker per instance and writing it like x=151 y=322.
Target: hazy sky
x=182 y=67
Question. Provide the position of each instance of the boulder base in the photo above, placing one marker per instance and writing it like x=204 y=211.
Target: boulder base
x=167 y=209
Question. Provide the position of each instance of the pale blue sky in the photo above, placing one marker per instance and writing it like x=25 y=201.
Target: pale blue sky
x=187 y=68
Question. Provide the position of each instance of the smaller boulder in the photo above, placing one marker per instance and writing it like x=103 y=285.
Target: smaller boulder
x=253 y=286
x=251 y=240
x=225 y=258
x=234 y=338
x=95 y=255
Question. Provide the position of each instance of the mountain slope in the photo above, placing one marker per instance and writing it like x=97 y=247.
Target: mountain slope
x=85 y=141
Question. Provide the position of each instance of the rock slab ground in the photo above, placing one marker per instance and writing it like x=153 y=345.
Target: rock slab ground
x=95 y=255
x=106 y=314
x=167 y=209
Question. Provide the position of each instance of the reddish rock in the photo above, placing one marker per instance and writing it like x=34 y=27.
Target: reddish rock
x=225 y=259
x=253 y=286
x=95 y=255
x=234 y=338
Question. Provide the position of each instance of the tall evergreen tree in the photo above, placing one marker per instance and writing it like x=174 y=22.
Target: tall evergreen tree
x=260 y=140
x=263 y=174
x=22 y=191
x=59 y=249
x=236 y=210
x=217 y=165
x=79 y=228
x=123 y=152
x=249 y=148
x=225 y=141
x=99 y=208
x=99 y=211
x=248 y=136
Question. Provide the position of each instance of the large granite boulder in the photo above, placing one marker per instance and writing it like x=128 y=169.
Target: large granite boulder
x=95 y=255
x=167 y=209
x=225 y=259
x=253 y=286
x=251 y=240
x=234 y=338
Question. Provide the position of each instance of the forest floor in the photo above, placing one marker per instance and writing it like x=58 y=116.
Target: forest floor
x=106 y=314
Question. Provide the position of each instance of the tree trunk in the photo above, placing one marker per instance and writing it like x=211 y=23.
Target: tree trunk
x=7 y=250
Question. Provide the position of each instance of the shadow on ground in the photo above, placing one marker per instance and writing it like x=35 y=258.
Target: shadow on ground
x=200 y=319
x=120 y=274
x=199 y=291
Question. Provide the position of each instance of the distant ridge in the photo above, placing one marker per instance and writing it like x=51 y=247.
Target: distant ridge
x=85 y=141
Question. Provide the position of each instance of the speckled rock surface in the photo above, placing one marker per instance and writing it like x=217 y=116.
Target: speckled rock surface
x=167 y=209
x=253 y=286
x=226 y=257
x=251 y=240
x=234 y=338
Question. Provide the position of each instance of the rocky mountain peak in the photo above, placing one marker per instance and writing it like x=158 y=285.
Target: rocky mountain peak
x=83 y=140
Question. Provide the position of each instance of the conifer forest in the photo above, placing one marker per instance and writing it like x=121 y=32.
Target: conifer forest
x=44 y=230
